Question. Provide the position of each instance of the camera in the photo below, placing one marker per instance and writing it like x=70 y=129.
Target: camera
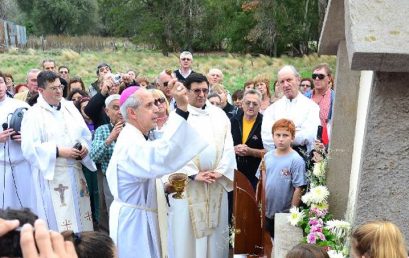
x=10 y=242
x=78 y=146
x=116 y=78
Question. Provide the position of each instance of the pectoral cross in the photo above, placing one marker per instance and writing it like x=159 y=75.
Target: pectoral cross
x=60 y=189
x=67 y=224
x=87 y=216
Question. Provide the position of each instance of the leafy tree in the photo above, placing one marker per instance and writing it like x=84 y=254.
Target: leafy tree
x=73 y=17
x=285 y=26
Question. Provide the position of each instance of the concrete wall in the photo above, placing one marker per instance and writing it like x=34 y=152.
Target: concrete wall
x=383 y=181
x=342 y=141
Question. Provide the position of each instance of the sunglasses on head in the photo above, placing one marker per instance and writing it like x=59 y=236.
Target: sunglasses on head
x=318 y=75
x=159 y=101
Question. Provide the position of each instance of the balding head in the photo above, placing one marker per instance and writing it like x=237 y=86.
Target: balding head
x=162 y=83
x=289 y=79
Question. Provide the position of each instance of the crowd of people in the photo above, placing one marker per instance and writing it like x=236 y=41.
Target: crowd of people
x=98 y=160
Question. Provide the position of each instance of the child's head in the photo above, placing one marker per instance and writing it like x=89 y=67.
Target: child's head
x=283 y=133
x=307 y=251
x=91 y=244
x=378 y=239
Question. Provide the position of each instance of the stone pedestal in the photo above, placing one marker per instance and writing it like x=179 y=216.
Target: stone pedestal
x=375 y=173
x=285 y=235
x=343 y=127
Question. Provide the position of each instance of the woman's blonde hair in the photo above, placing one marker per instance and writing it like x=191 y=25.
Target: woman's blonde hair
x=218 y=88
x=159 y=94
x=379 y=239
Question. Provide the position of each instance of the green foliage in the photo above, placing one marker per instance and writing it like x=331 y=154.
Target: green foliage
x=74 y=17
x=236 y=68
x=271 y=27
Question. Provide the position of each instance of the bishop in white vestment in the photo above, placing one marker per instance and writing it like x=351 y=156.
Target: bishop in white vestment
x=49 y=131
x=199 y=222
x=16 y=183
x=135 y=165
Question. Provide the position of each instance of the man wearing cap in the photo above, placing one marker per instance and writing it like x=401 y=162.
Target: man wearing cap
x=55 y=141
x=104 y=141
x=137 y=225
x=185 y=61
x=102 y=70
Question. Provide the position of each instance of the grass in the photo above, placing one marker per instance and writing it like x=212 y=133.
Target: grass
x=236 y=68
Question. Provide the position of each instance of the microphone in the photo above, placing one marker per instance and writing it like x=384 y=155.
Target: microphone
x=5 y=126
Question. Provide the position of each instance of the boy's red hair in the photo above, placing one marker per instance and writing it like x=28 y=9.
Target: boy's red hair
x=284 y=124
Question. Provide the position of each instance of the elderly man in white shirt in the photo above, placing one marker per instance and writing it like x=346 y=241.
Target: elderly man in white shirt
x=294 y=106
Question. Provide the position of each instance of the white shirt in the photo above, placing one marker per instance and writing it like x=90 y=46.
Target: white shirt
x=302 y=111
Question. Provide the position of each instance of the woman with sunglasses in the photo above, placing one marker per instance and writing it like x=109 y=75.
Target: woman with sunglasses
x=163 y=113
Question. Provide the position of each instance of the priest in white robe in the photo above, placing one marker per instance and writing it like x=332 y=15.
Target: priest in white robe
x=49 y=131
x=135 y=165
x=199 y=222
x=16 y=183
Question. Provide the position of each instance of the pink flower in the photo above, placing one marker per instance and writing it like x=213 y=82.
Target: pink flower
x=316 y=222
x=319 y=212
x=321 y=236
x=311 y=238
x=316 y=228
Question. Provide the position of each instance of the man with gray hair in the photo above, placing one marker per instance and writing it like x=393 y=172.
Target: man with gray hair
x=138 y=213
x=185 y=61
x=31 y=85
x=48 y=65
x=296 y=107
x=246 y=132
x=214 y=76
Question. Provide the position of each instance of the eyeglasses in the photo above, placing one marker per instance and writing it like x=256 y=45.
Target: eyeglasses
x=250 y=103
x=159 y=101
x=318 y=75
x=56 y=88
x=197 y=91
x=305 y=85
x=185 y=59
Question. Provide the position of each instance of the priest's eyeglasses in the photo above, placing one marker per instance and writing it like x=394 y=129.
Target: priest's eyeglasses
x=250 y=103
x=197 y=91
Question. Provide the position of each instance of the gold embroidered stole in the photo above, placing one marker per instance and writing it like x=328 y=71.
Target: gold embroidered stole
x=205 y=199
x=69 y=191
